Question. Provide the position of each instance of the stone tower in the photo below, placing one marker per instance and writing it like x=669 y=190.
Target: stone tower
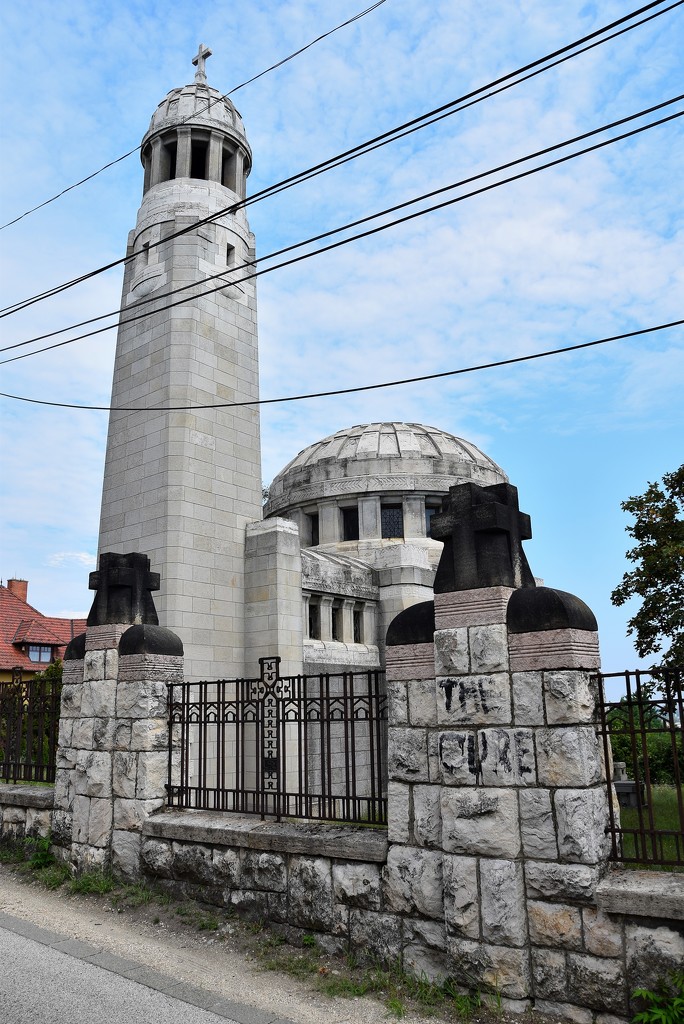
x=181 y=485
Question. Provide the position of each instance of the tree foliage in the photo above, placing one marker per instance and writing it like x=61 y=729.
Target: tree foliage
x=658 y=576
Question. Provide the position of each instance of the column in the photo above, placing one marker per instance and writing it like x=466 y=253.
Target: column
x=329 y=523
x=215 y=157
x=369 y=518
x=414 y=516
x=183 y=153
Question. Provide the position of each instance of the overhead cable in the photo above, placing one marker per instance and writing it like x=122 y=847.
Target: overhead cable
x=470 y=99
x=355 y=390
x=210 y=103
x=364 y=234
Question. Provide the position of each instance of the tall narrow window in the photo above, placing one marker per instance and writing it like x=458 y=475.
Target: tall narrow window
x=145 y=253
x=230 y=255
x=350 y=523
x=314 y=621
x=169 y=161
x=391 y=521
x=313 y=522
x=198 y=162
x=430 y=511
x=358 y=625
x=228 y=170
x=337 y=621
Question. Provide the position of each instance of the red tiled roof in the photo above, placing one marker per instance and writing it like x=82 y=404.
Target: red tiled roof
x=35 y=631
x=22 y=624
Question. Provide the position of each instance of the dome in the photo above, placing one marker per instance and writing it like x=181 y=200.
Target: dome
x=380 y=458
x=197 y=105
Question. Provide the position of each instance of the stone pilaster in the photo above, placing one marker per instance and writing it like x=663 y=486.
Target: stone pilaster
x=113 y=753
x=273 y=589
x=497 y=793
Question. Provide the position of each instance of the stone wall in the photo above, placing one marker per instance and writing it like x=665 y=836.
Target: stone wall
x=497 y=812
x=25 y=811
x=493 y=869
x=112 y=759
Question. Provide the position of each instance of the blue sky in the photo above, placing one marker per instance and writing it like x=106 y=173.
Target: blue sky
x=586 y=250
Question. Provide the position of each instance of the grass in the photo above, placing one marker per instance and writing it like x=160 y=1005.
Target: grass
x=348 y=979
x=97 y=882
x=666 y=818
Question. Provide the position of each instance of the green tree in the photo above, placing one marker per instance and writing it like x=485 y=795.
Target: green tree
x=658 y=578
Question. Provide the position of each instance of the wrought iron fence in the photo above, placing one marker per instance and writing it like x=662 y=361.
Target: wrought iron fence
x=298 y=746
x=641 y=721
x=29 y=725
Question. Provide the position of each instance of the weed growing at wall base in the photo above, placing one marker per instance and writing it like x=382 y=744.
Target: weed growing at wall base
x=665 y=1005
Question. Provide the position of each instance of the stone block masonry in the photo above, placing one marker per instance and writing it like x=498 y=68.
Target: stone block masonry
x=493 y=869
x=113 y=754
x=498 y=793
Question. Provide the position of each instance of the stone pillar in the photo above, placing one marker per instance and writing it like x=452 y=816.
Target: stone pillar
x=348 y=621
x=112 y=758
x=215 y=157
x=273 y=590
x=369 y=518
x=413 y=506
x=326 y=607
x=113 y=749
x=156 y=168
x=183 y=153
x=497 y=797
x=329 y=523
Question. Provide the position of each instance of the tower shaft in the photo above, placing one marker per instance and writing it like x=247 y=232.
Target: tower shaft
x=181 y=483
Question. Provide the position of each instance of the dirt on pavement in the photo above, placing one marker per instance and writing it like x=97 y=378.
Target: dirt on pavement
x=207 y=948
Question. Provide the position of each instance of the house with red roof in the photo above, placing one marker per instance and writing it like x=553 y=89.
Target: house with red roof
x=29 y=640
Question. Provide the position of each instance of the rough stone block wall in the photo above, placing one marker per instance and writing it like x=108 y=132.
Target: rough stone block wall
x=25 y=811
x=112 y=757
x=498 y=810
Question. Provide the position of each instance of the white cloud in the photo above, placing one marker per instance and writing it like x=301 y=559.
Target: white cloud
x=80 y=558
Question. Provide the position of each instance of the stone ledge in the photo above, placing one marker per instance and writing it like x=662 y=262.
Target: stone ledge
x=642 y=894
x=343 y=842
x=27 y=796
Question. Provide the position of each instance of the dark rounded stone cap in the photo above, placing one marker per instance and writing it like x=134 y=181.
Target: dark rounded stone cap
x=415 y=625
x=75 y=650
x=144 y=639
x=537 y=609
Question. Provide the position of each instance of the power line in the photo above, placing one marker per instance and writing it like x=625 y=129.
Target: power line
x=393 y=135
x=365 y=234
x=359 y=388
x=225 y=96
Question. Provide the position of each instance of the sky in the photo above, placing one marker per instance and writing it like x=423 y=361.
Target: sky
x=586 y=250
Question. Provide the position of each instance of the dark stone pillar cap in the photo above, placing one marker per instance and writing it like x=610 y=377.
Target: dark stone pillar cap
x=148 y=639
x=537 y=609
x=415 y=625
x=75 y=650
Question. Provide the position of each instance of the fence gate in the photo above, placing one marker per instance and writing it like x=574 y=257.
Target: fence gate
x=289 y=746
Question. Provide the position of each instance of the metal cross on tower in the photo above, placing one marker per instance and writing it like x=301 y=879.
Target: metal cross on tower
x=198 y=60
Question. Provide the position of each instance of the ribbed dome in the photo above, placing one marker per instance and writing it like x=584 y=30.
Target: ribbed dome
x=380 y=458
x=197 y=105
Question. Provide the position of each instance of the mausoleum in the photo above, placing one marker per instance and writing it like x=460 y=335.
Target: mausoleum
x=362 y=500
x=343 y=543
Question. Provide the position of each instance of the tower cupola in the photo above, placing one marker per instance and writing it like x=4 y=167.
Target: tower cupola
x=196 y=132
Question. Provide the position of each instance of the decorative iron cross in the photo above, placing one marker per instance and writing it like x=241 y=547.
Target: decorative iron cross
x=198 y=60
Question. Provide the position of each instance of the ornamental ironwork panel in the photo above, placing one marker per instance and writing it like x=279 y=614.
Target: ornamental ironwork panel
x=29 y=725
x=287 y=746
x=641 y=716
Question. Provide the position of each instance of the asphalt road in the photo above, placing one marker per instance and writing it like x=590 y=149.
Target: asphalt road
x=46 y=978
